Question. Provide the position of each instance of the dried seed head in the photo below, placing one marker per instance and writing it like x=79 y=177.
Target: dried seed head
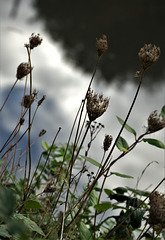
x=155 y=122
x=96 y=105
x=107 y=142
x=148 y=55
x=22 y=70
x=35 y=40
x=27 y=101
x=43 y=131
x=21 y=121
x=41 y=100
x=157 y=210
x=101 y=45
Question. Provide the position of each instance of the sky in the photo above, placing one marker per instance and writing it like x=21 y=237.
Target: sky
x=65 y=86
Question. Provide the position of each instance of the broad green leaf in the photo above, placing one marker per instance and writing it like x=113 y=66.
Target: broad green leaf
x=33 y=204
x=31 y=225
x=44 y=145
x=108 y=191
x=122 y=144
x=7 y=203
x=93 y=198
x=94 y=162
x=138 y=192
x=85 y=234
x=129 y=129
x=163 y=111
x=121 y=175
x=136 y=218
x=120 y=190
x=4 y=232
x=154 y=142
x=104 y=206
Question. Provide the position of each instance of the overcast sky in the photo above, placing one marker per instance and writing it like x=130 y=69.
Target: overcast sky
x=65 y=87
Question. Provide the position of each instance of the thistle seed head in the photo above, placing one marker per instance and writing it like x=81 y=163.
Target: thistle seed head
x=96 y=105
x=107 y=142
x=155 y=122
x=35 y=40
x=101 y=45
x=27 y=101
x=22 y=70
x=157 y=210
x=148 y=55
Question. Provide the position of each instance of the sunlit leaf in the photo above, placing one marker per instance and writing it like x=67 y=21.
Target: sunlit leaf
x=122 y=144
x=93 y=198
x=84 y=232
x=163 y=111
x=104 y=206
x=121 y=175
x=108 y=191
x=129 y=129
x=94 y=162
x=44 y=145
x=154 y=142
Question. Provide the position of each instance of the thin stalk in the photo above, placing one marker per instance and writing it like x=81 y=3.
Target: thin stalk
x=128 y=114
x=9 y=94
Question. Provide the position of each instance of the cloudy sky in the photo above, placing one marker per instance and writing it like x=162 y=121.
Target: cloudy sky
x=64 y=87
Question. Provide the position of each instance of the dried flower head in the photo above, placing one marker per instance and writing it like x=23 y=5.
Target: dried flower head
x=43 y=131
x=107 y=142
x=22 y=70
x=157 y=210
x=101 y=45
x=27 y=101
x=155 y=122
x=41 y=100
x=96 y=105
x=148 y=55
x=35 y=40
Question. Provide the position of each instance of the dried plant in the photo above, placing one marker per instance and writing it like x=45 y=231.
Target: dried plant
x=50 y=201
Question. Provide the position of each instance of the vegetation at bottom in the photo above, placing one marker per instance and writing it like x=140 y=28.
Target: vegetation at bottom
x=60 y=198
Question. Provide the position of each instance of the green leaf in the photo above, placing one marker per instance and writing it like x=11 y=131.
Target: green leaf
x=85 y=234
x=138 y=192
x=104 y=206
x=108 y=191
x=163 y=111
x=121 y=175
x=136 y=218
x=154 y=142
x=33 y=204
x=120 y=190
x=44 y=145
x=94 y=162
x=129 y=129
x=7 y=203
x=29 y=223
x=122 y=144
x=93 y=198
x=4 y=232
